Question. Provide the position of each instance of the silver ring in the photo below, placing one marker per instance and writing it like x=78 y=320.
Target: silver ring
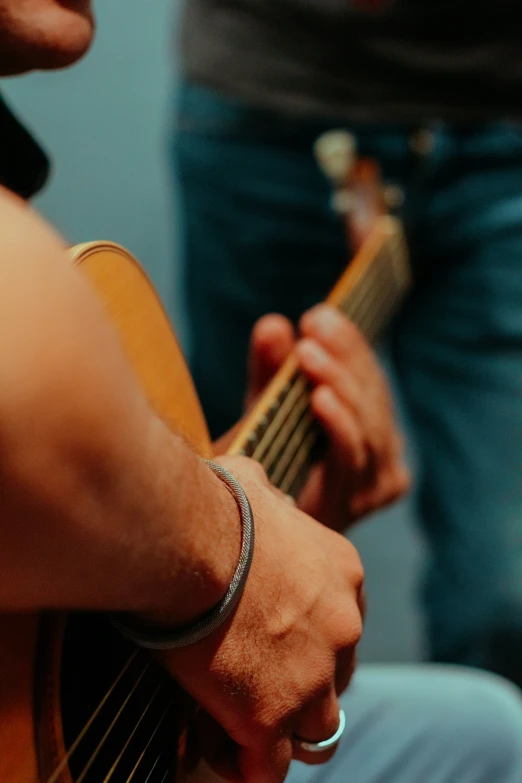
x=320 y=747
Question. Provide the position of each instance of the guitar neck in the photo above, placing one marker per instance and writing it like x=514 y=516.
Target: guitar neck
x=281 y=432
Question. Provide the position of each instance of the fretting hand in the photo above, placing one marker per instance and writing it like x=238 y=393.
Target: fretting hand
x=363 y=468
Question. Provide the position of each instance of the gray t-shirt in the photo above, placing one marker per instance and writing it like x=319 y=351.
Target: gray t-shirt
x=412 y=61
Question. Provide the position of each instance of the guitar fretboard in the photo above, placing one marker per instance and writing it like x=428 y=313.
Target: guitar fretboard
x=282 y=434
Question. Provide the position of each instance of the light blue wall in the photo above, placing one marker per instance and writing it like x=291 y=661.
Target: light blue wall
x=105 y=123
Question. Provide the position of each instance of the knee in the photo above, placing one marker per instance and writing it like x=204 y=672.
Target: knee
x=486 y=718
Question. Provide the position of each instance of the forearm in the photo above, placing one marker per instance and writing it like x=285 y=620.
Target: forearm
x=151 y=531
x=101 y=506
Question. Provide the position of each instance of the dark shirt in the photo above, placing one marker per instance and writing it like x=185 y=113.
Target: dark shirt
x=24 y=167
x=414 y=60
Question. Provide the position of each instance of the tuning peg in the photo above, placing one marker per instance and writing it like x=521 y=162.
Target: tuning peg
x=335 y=153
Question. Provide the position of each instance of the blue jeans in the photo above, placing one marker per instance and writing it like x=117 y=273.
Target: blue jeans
x=424 y=723
x=260 y=237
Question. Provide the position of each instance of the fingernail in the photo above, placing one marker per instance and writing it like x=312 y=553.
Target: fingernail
x=311 y=354
x=327 y=398
x=326 y=320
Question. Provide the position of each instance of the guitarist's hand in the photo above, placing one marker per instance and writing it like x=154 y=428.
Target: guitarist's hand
x=276 y=668
x=363 y=468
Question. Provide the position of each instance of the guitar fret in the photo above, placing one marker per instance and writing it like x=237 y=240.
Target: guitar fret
x=267 y=417
x=280 y=408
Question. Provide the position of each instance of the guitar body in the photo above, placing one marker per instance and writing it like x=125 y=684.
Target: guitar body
x=136 y=311
x=55 y=670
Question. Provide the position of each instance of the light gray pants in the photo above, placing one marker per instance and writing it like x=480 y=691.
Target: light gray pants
x=425 y=724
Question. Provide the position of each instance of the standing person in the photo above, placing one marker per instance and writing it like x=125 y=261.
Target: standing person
x=431 y=89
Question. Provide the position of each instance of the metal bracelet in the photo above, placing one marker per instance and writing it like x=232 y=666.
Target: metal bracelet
x=165 y=638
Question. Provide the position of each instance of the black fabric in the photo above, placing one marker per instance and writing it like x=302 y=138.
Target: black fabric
x=413 y=60
x=24 y=167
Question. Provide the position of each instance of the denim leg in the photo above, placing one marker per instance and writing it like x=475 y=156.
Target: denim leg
x=259 y=235
x=434 y=724
x=458 y=348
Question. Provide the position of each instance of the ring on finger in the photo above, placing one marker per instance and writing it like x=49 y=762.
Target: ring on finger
x=323 y=745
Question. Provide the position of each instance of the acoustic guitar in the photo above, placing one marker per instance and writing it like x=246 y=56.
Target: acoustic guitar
x=77 y=703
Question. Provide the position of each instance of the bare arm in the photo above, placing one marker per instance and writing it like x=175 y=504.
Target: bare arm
x=93 y=511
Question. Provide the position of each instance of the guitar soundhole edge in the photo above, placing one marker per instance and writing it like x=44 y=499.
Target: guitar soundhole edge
x=121 y=714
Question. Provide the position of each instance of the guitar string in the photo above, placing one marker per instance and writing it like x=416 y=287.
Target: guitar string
x=296 y=421
x=147 y=746
x=298 y=462
x=294 y=388
x=152 y=769
x=350 y=306
x=112 y=770
x=291 y=445
x=373 y=327
x=111 y=727
x=59 y=769
x=104 y=738
x=81 y=735
x=285 y=431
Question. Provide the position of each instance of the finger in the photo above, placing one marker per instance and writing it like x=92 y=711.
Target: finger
x=372 y=414
x=320 y=367
x=341 y=426
x=216 y=747
x=318 y=722
x=393 y=482
x=361 y=601
x=346 y=665
x=271 y=341
x=338 y=335
x=396 y=483
x=266 y=765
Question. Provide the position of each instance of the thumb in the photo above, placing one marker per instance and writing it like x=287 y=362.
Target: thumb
x=272 y=340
